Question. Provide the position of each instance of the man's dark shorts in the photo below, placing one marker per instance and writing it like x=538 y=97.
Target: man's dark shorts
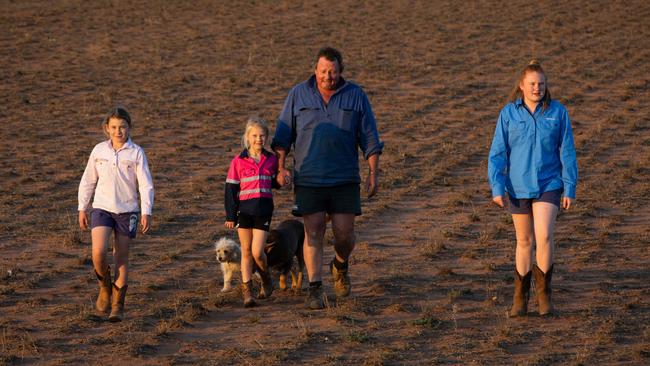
x=525 y=205
x=125 y=224
x=338 y=199
x=246 y=221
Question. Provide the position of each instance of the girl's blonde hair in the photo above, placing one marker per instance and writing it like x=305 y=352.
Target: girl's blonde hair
x=533 y=66
x=253 y=122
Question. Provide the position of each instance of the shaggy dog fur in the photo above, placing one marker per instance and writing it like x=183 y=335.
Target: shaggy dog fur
x=229 y=256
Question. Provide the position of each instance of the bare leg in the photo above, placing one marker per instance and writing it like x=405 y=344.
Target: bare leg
x=121 y=258
x=313 y=246
x=343 y=227
x=100 y=236
x=258 y=244
x=544 y=215
x=525 y=236
x=246 y=240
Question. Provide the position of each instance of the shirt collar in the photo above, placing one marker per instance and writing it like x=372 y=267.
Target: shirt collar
x=127 y=145
x=244 y=153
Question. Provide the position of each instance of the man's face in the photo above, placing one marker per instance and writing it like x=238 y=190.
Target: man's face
x=328 y=74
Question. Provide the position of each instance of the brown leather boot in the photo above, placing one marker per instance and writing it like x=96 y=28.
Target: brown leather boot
x=267 y=285
x=543 y=289
x=520 y=299
x=117 y=306
x=314 y=299
x=341 y=280
x=103 y=303
x=246 y=290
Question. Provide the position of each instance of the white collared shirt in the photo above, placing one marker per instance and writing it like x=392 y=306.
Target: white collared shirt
x=115 y=177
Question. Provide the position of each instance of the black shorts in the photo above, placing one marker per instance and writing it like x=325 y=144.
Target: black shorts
x=338 y=199
x=525 y=205
x=246 y=221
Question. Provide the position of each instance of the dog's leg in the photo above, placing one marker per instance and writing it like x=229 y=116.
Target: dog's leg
x=283 y=281
x=227 y=280
x=296 y=280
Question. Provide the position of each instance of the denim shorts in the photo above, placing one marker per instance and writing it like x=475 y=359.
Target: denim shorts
x=525 y=205
x=124 y=224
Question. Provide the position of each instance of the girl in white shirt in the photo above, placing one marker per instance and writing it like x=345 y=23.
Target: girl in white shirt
x=117 y=171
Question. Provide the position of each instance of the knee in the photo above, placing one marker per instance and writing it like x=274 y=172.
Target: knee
x=259 y=257
x=525 y=242
x=345 y=239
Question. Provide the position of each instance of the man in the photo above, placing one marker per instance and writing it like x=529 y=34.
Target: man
x=327 y=119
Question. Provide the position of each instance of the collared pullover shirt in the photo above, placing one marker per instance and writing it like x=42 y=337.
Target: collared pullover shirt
x=532 y=153
x=248 y=185
x=326 y=137
x=116 y=177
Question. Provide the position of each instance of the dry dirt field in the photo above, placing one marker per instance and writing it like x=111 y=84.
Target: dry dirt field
x=432 y=271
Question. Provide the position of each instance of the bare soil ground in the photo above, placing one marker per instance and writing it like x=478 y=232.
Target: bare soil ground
x=432 y=270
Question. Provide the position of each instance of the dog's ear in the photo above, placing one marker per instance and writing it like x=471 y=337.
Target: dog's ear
x=273 y=237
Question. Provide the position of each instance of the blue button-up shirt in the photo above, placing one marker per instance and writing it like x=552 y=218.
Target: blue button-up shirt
x=326 y=137
x=532 y=153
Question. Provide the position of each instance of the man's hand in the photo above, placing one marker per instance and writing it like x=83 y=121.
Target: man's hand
x=499 y=201
x=372 y=183
x=284 y=177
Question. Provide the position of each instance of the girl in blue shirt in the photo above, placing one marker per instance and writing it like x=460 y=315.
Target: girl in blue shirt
x=533 y=159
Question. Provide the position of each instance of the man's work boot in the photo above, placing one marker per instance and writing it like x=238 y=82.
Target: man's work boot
x=341 y=279
x=247 y=292
x=314 y=299
x=117 y=306
x=543 y=289
x=520 y=299
x=103 y=303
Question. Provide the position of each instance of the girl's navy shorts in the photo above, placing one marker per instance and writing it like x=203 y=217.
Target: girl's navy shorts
x=124 y=224
x=525 y=205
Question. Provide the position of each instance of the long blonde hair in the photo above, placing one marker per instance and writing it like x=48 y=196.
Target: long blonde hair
x=533 y=66
x=253 y=122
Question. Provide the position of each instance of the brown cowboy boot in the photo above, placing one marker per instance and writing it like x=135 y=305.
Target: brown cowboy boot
x=314 y=299
x=543 y=289
x=341 y=280
x=246 y=290
x=520 y=299
x=117 y=306
x=267 y=285
x=103 y=303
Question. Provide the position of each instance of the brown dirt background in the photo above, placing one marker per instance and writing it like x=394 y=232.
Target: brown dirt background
x=432 y=270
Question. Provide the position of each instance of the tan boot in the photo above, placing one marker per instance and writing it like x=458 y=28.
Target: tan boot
x=341 y=280
x=103 y=303
x=267 y=285
x=520 y=299
x=246 y=290
x=543 y=289
x=314 y=299
x=117 y=306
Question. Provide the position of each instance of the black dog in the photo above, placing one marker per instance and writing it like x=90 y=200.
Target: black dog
x=282 y=245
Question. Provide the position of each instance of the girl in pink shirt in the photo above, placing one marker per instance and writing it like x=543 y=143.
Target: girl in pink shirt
x=249 y=204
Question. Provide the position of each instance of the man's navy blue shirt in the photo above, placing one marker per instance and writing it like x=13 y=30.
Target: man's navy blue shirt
x=326 y=137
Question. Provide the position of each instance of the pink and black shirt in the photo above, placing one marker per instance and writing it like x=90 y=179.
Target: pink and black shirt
x=248 y=185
